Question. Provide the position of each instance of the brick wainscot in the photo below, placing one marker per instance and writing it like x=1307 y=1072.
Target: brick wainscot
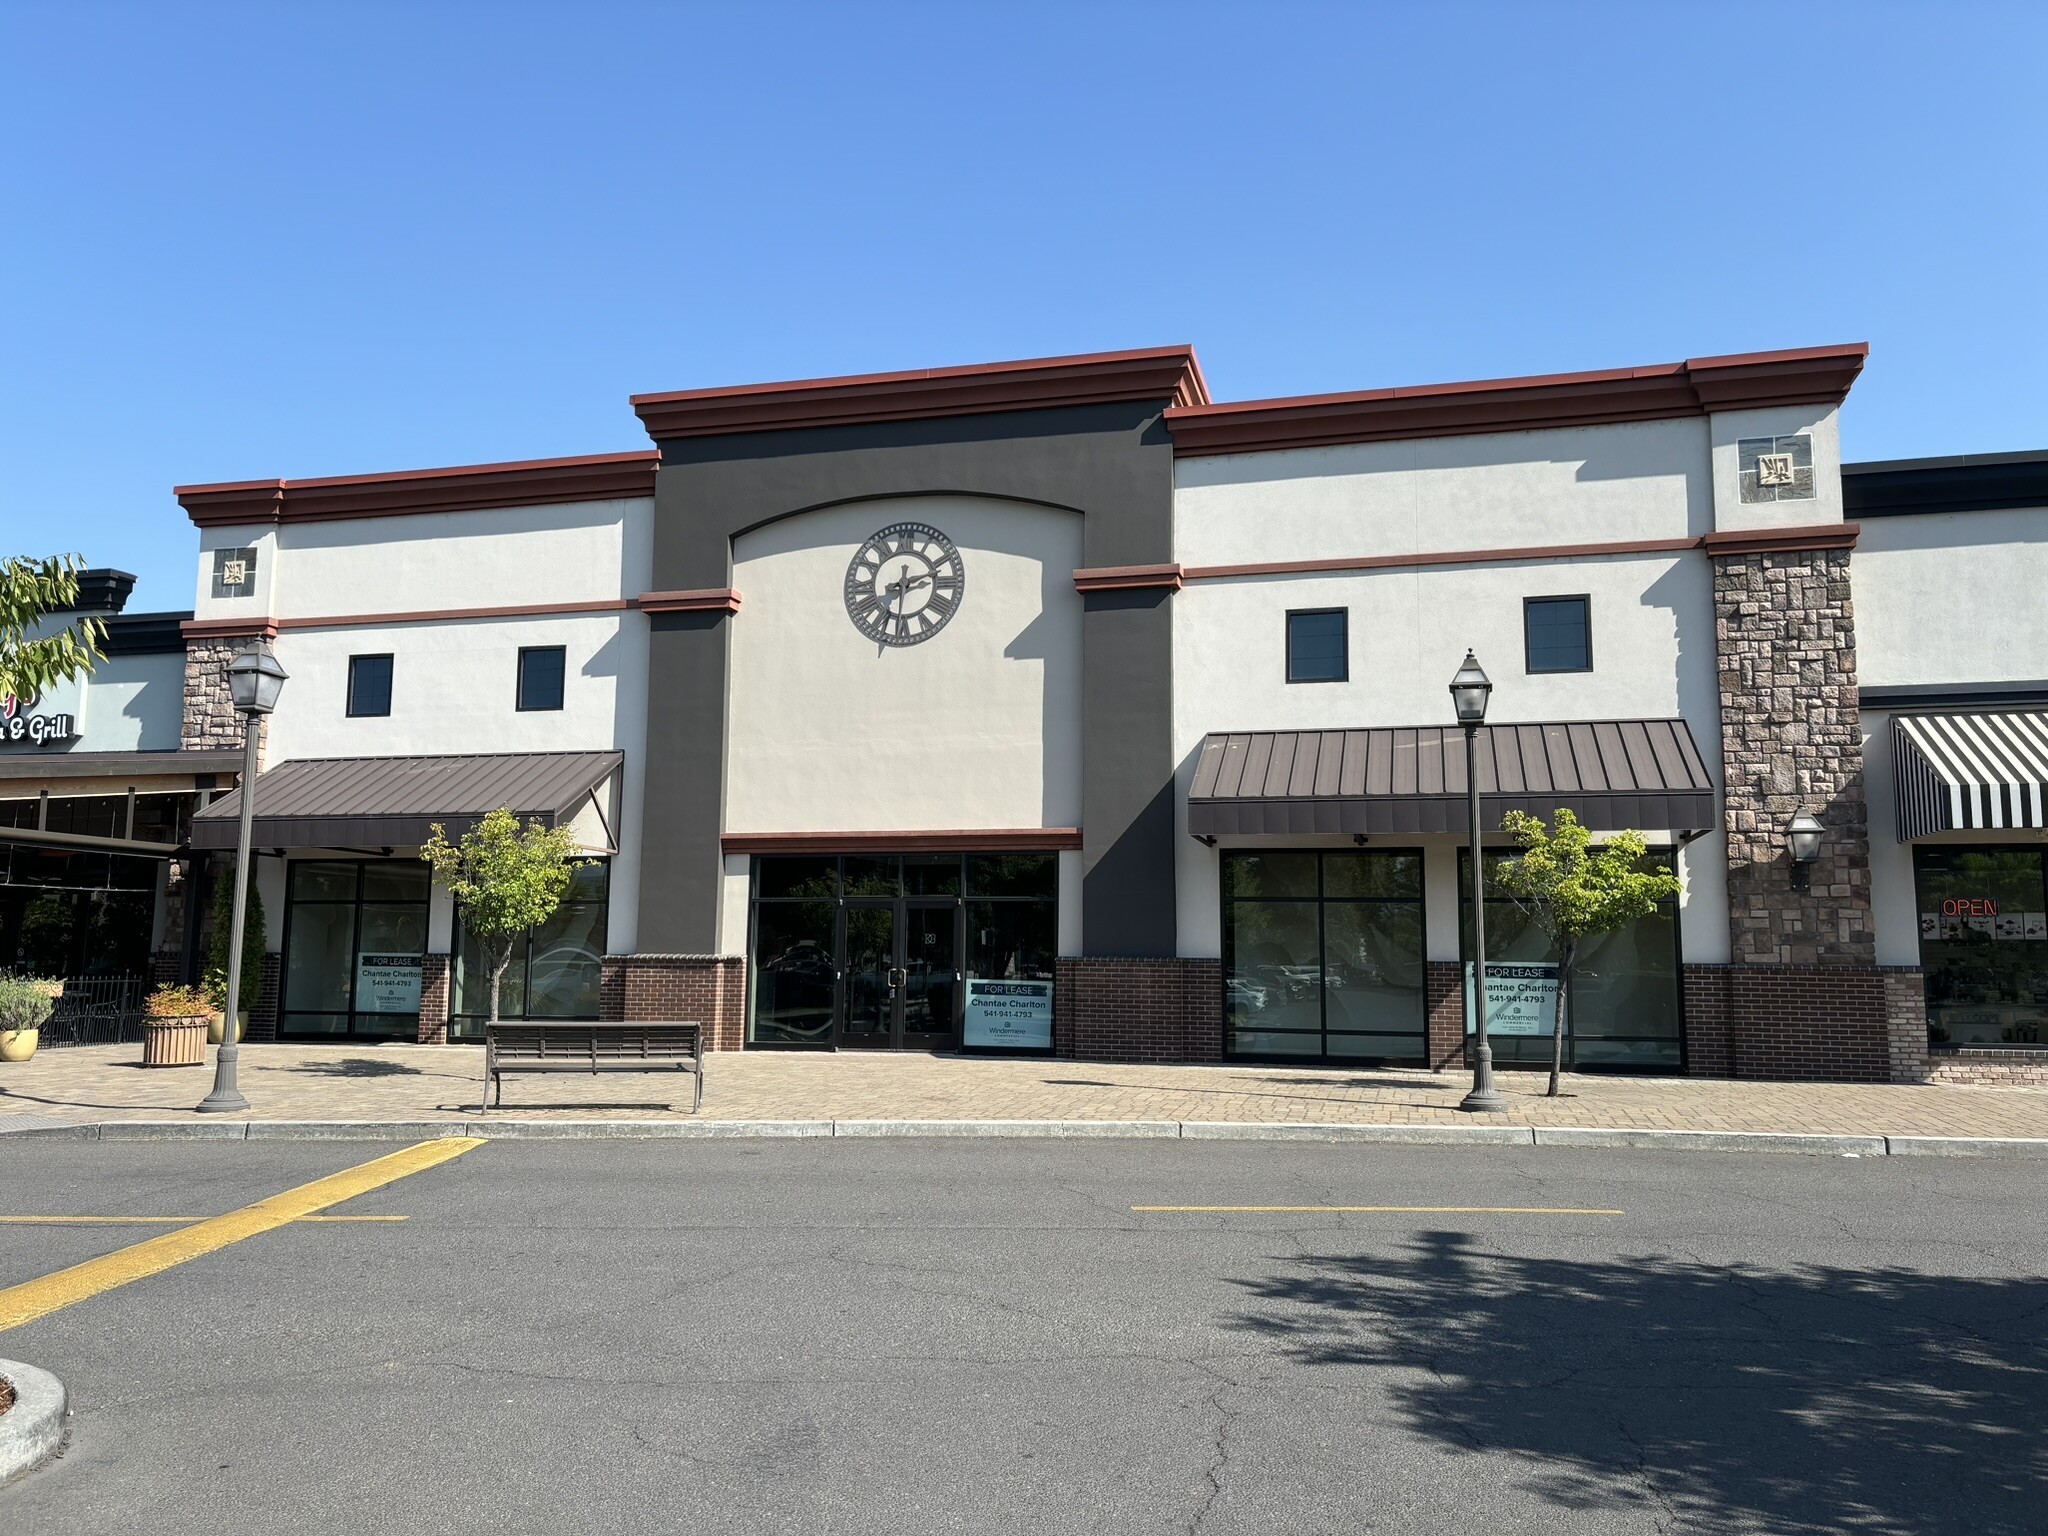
x=708 y=989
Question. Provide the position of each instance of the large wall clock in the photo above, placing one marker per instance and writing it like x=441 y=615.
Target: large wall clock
x=904 y=584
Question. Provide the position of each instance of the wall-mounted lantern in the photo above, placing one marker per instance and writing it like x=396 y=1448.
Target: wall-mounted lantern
x=1802 y=840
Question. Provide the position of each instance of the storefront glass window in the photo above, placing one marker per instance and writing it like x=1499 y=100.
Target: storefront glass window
x=74 y=914
x=1323 y=955
x=1623 y=1009
x=555 y=967
x=355 y=939
x=1984 y=944
x=873 y=949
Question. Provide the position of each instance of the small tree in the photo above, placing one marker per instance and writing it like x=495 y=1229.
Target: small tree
x=216 y=978
x=1573 y=891
x=30 y=591
x=505 y=880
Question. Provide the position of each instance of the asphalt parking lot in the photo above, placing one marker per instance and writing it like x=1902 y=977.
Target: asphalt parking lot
x=933 y=1335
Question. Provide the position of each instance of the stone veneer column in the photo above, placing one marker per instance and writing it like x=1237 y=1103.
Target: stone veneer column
x=1792 y=740
x=1803 y=996
x=211 y=723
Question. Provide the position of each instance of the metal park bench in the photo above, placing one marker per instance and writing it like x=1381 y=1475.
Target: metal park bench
x=536 y=1046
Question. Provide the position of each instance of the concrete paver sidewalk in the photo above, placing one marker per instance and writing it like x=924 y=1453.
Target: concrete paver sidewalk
x=410 y=1082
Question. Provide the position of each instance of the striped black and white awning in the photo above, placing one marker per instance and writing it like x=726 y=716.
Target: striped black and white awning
x=1966 y=771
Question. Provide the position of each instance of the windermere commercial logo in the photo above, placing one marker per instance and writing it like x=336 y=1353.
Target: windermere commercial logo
x=18 y=727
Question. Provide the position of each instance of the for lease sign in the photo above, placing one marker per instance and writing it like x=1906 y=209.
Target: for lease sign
x=1012 y=1015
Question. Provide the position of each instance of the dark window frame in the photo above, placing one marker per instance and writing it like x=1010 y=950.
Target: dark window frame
x=466 y=1024
x=292 y=903
x=1671 y=909
x=519 y=703
x=1322 y=900
x=390 y=682
x=961 y=901
x=1344 y=676
x=1585 y=599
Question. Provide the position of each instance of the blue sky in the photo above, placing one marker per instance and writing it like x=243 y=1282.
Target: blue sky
x=308 y=239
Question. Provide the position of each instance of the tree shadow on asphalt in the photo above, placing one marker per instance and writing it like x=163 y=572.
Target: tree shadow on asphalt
x=1704 y=1397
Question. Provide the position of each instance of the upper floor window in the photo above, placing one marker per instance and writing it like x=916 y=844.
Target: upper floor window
x=540 y=676
x=1559 y=633
x=1318 y=649
x=369 y=685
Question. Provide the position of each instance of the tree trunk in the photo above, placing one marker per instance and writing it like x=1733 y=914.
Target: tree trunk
x=501 y=961
x=1567 y=952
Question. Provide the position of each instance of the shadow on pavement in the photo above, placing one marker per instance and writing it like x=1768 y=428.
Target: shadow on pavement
x=1702 y=1396
x=359 y=1066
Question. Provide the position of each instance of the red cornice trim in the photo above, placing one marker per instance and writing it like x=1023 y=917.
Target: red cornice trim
x=1010 y=840
x=702 y=600
x=1439 y=557
x=1771 y=541
x=1805 y=376
x=441 y=615
x=229 y=629
x=1154 y=373
x=458 y=488
x=1124 y=578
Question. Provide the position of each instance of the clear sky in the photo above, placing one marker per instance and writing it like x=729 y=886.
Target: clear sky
x=302 y=238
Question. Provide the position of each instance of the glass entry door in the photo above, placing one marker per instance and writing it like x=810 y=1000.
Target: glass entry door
x=931 y=975
x=901 y=977
x=869 y=995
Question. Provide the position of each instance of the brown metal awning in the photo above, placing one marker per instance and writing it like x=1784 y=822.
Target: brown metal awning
x=118 y=765
x=393 y=802
x=1611 y=774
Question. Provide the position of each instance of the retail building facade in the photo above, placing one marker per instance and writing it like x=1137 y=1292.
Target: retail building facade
x=1051 y=705
x=96 y=807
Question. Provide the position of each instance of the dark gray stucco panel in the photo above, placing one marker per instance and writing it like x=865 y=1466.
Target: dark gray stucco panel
x=1112 y=463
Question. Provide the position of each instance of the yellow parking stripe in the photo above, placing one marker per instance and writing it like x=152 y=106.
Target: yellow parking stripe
x=1392 y=1210
x=32 y=1299
x=151 y=1221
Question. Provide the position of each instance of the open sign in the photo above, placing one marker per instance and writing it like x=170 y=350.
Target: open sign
x=1969 y=906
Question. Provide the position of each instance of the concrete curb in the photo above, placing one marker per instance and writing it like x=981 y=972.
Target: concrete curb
x=1967 y=1146
x=1468 y=1134
x=33 y=1430
x=1451 y=1135
x=1711 y=1141
x=1064 y=1129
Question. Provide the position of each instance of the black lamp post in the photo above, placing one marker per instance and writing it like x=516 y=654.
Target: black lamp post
x=254 y=682
x=1802 y=840
x=1469 y=692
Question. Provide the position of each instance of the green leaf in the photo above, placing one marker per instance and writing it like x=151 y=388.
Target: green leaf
x=505 y=878
x=31 y=590
x=1572 y=889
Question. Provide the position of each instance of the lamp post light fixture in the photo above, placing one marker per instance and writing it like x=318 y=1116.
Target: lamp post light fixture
x=1802 y=840
x=1470 y=690
x=254 y=682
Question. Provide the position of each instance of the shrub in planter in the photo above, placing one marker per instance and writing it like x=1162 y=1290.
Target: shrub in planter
x=215 y=980
x=174 y=1024
x=26 y=1003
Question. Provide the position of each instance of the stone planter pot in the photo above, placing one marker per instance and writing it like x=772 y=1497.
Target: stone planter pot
x=216 y=1027
x=174 y=1042
x=19 y=1044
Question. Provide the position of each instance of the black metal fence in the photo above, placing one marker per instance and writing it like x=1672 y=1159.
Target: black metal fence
x=97 y=1010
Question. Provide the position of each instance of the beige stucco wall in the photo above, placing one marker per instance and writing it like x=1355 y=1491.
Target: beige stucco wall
x=978 y=727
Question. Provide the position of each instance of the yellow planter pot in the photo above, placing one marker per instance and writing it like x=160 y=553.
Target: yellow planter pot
x=18 y=1044
x=216 y=1027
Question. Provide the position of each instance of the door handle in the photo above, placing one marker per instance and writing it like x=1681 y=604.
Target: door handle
x=899 y=978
